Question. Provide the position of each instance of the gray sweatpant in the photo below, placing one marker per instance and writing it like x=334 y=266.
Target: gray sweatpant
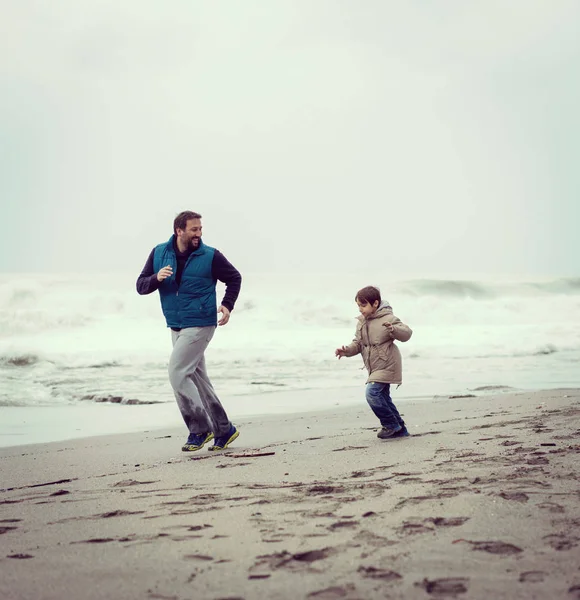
x=199 y=405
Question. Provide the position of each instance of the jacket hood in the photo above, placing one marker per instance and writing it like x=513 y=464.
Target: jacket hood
x=384 y=309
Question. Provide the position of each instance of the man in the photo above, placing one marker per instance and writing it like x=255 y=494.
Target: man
x=185 y=272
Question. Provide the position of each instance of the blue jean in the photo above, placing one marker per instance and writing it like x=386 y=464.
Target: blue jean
x=379 y=398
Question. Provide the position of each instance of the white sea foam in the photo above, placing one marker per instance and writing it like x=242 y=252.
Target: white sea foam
x=70 y=339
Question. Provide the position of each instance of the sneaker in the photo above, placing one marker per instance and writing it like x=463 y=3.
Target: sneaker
x=196 y=441
x=389 y=432
x=402 y=433
x=222 y=442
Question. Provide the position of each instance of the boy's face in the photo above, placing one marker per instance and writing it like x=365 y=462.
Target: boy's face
x=367 y=309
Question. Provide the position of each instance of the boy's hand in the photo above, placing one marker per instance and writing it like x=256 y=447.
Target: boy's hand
x=390 y=327
x=340 y=352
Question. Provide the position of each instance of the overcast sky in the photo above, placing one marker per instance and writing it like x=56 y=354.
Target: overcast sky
x=415 y=137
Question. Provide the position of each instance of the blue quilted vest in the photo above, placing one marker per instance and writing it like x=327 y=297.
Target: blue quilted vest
x=192 y=303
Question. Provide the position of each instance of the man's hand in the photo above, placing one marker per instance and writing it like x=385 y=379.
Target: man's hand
x=225 y=315
x=340 y=352
x=164 y=273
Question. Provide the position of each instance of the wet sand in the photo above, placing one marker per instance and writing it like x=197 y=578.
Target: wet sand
x=482 y=501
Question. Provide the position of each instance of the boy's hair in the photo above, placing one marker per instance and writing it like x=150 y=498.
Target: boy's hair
x=368 y=295
x=180 y=221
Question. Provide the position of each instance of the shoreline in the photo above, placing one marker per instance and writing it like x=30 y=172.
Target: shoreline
x=24 y=425
x=306 y=506
x=51 y=424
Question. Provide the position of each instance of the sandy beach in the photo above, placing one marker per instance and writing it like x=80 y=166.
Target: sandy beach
x=482 y=501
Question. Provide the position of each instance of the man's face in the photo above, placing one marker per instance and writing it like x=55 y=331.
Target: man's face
x=191 y=235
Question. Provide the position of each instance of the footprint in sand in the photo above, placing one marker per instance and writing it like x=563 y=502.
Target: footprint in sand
x=130 y=482
x=532 y=576
x=428 y=525
x=117 y=513
x=560 y=541
x=333 y=592
x=552 y=507
x=199 y=527
x=446 y=586
x=96 y=541
x=413 y=528
x=538 y=460
x=448 y=521
x=515 y=496
x=319 y=490
x=356 y=474
x=7 y=529
x=343 y=524
x=493 y=547
x=419 y=499
x=270 y=562
x=377 y=573
x=368 y=538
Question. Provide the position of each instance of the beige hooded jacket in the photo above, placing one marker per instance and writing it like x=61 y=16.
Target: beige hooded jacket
x=377 y=346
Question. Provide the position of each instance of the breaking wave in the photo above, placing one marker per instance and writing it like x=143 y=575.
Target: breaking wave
x=22 y=360
x=91 y=339
x=448 y=288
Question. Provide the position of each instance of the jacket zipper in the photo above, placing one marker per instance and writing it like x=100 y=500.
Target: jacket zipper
x=184 y=267
x=368 y=345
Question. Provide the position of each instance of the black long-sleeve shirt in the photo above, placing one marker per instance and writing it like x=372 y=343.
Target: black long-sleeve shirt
x=221 y=269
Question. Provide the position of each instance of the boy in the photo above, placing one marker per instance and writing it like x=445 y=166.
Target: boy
x=376 y=332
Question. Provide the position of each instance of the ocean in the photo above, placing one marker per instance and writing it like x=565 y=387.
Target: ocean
x=68 y=341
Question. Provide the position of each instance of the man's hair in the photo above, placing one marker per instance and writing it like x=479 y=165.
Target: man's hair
x=180 y=221
x=368 y=295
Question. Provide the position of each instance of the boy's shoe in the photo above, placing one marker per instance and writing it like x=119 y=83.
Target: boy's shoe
x=196 y=441
x=402 y=433
x=223 y=441
x=389 y=432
